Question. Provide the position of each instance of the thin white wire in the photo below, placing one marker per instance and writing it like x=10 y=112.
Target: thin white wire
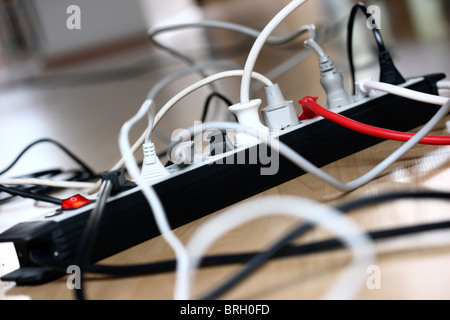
x=307 y=166
x=236 y=28
x=313 y=45
x=47 y=182
x=350 y=280
x=171 y=78
x=218 y=76
x=259 y=44
x=149 y=192
x=367 y=85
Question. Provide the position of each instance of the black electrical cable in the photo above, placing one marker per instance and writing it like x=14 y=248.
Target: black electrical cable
x=208 y=102
x=281 y=249
x=30 y=195
x=85 y=248
x=258 y=260
x=220 y=260
x=39 y=192
x=388 y=71
x=46 y=140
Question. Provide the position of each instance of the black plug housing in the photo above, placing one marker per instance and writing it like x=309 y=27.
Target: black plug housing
x=118 y=179
x=388 y=71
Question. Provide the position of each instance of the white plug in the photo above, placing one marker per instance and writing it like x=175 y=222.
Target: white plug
x=152 y=168
x=364 y=91
x=331 y=79
x=279 y=113
x=248 y=116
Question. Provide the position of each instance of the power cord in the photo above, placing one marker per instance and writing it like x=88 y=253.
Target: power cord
x=388 y=70
x=311 y=104
x=112 y=183
x=82 y=164
x=331 y=79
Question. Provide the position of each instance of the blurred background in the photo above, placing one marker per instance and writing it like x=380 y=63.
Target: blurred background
x=78 y=76
x=36 y=30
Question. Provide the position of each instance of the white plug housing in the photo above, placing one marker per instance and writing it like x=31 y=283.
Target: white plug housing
x=332 y=82
x=279 y=113
x=152 y=168
x=247 y=115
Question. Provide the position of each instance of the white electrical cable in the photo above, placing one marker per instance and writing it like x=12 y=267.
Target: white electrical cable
x=291 y=63
x=313 y=45
x=230 y=26
x=443 y=85
x=367 y=85
x=171 y=78
x=218 y=76
x=259 y=44
x=307 y=166
x=49 y=183
x=350 y=281
x=149 y=193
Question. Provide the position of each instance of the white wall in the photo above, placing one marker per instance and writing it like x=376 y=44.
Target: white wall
x=102 y=21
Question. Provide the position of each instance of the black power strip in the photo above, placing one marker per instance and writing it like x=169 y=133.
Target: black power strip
x=197 y=191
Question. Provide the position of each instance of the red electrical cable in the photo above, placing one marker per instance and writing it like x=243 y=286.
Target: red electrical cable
x=310 y=104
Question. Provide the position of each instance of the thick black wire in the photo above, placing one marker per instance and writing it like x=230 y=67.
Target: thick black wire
x=376 y=33
x=35 y=189
x=258 y=260
x=220 y=260
x=85 y=248
x=30 y=195
x=281 y=249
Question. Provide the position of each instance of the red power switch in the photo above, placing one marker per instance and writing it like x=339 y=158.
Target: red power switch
x=74 y=202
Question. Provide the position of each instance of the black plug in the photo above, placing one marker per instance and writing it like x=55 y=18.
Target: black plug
x=118 y=180
x=388 y=71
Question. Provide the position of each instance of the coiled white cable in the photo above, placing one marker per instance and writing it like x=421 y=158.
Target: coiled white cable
x=345 y=287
